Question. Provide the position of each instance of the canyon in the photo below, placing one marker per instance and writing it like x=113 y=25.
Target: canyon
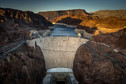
x=96 y=54
x=103 y=21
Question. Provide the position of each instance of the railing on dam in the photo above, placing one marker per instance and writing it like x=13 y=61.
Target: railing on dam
x=58 y=51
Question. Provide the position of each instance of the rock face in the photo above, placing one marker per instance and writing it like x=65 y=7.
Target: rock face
x=96 y=63
x=87 y=29
x=26 y=65
x=51 y=15
x=116 y=40
x=70 y=21
x=108 y=13
x=15 y=25
x=11 y=32
x=93 y=24
x=23 y=18
x=103 y=21
x=4 y=39
x=106 y=25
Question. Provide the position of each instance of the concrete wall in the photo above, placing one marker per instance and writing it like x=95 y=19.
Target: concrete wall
x=58 y=51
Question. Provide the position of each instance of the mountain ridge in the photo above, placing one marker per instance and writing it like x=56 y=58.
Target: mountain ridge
x=50 y=15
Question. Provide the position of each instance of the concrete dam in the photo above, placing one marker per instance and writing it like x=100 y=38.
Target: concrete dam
x=58 y=51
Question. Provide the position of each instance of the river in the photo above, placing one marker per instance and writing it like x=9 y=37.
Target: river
x=61 y=30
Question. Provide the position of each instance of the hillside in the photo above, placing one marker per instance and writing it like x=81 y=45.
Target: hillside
x=23 y=18
x=103 y=21
x=107 y=13
x=15 y=25
x=92 y=23
x=51 y=15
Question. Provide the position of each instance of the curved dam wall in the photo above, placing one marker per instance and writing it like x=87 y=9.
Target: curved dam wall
x=58 y=51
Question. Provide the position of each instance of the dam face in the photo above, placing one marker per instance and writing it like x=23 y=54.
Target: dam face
x=58 y=51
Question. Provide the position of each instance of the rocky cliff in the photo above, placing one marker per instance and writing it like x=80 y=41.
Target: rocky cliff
x=96 y=63
x=11 y=32
x=103 y=21
x=25 y=65
x=102 y=60
x=15 y=25
x=116 y=40
x=107 y=13
x=23 y=18
x=52 y=15
x=70 y=21
x=94 y=24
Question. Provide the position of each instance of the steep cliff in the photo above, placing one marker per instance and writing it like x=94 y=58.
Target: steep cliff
x=108 y=13
x=25 y=65
x=96 y=63
x=52 y=15
x=70 y=21
x=115 y=40
x=103 y=21
x=23 y=18
x=11 y=32
x=93 y=24
x=15 y=25
x=3 y=36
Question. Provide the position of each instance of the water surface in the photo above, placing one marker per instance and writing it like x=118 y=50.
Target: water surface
x=61 y=30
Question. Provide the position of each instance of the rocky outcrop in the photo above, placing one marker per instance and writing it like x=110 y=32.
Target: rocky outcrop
x=23 y=18
x=93 y=24
x=115 y=40
x=90 y=23
x=4 y=39
x=106 y=25
x=11 y=32
x=108 y=13
x=106 y=21
x=87 y=29
x=70 y=21
x=16 y=25
x=52 y=15
x=25 y=65
x=96 y=63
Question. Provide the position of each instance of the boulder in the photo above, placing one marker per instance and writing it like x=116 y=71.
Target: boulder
x=96 y=63
x=25 y=65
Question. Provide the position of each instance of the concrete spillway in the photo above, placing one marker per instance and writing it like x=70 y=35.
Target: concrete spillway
x=58 y=51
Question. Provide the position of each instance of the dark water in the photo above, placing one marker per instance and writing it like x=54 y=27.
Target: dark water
x=61 y=30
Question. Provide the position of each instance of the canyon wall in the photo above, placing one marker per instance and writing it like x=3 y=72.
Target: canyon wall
x=96 y=63
x=108 y=13
x=58 y=51
x=52 y=15
x=25 y=65
x=15 y=25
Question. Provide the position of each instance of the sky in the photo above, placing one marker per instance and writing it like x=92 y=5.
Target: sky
x=52 y=5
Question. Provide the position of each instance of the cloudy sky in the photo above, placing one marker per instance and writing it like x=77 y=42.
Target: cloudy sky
x=50 y=5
